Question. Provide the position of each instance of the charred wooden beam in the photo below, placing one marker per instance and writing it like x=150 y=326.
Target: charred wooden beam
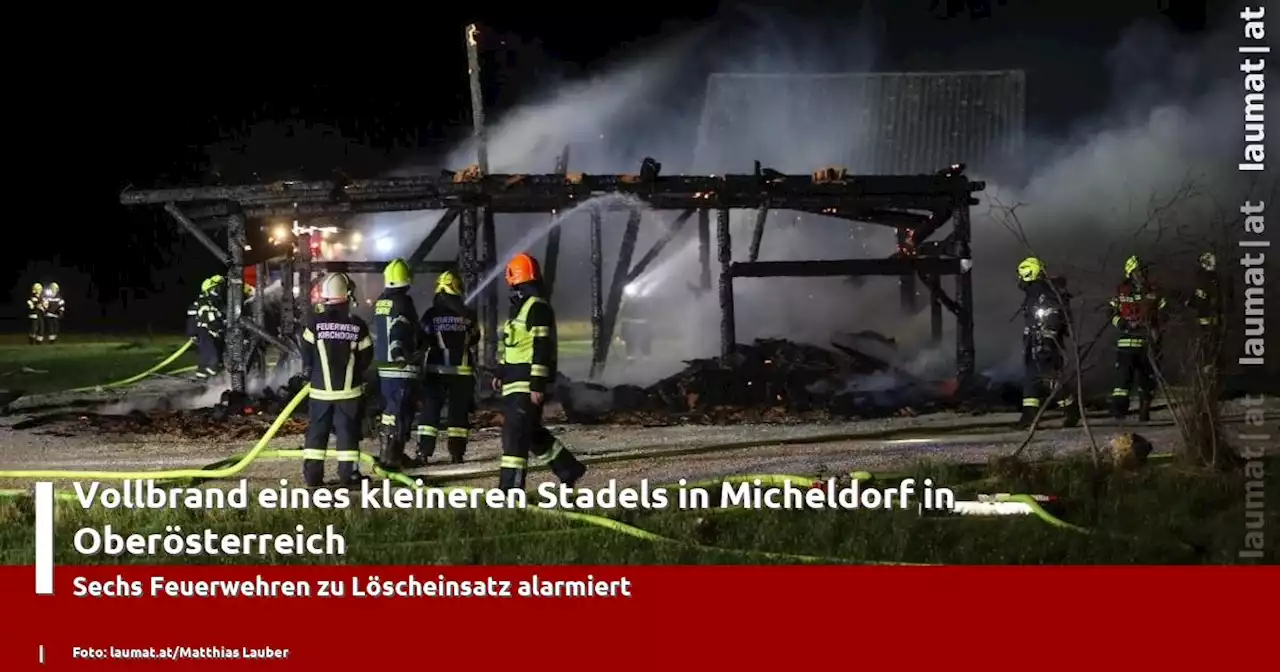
x=257 y=330
x=433 y=238
x=934 y=284
x=467 y=262
x=672 y=231
x=260 y=309
x=479 y=133
x=235 y=345
x=715 y=190
x=846 y=267
x=438 y=266
x=935 y=319
x=757 y=233
x=724 y=249
x=305 y=279
x=489 y=296
x=288 y=305
x=197 y=233
x=616 y=288
x=553 y=236
x=704 y=250
x=599 y=349
x=514 y=193
x=906 y=283
x=966 y=357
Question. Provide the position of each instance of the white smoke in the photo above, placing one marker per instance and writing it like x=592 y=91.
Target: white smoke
x=1167 y=137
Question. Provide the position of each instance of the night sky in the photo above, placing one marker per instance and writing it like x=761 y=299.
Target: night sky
x=149 y=106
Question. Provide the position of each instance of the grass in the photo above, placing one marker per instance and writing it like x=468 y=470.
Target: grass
x=80 y=360
x=1158 y=515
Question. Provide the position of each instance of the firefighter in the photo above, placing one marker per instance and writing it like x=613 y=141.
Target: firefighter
x=351 y=295
x=35 y=314
x=395 y=339
x=1136 y=312
x=451 y=331
x=193 y=316
x=527 y=370
x=210 y=327
x=1207 y=304
x=337 y=351
x=54 y=308
x=1047 y=315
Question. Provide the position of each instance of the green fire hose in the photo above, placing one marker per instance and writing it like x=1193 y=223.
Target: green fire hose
x=230 y=467
x=145 y=374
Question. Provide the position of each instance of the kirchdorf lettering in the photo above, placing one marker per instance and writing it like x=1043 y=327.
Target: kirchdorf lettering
x=337 y=331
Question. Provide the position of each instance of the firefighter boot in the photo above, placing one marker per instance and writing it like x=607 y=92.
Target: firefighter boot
x=1119 y=407
x=1028 y=417
x=1144 y=409
x=457 y=449
x=1071 y=415
x=391 y=456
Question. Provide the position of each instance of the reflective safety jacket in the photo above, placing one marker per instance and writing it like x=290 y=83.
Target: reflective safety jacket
x=1206 y=300
x=54 y=306
x=1046 y=314
x=35 y=306
x=337 y=351
x=395 y=334
x=451 y=331
x=1136 y=313
x=529 y=347
x=193 y=312
x=209 y=315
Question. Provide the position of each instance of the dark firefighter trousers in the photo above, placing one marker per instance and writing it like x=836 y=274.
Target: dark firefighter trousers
x=342 y=419
x=522 y=434
x=1042 y=372
x=450 y=395
x=1133 y=367
x=52 y=324
x=399 y=401
x=208 y=353
x=37 y=329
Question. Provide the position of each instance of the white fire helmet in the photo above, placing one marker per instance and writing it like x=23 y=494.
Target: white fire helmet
x=335 y=288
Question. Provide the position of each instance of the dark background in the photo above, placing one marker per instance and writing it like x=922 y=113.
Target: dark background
x=142 y=103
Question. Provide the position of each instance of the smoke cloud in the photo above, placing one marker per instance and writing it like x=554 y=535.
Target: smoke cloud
x=1142 y=176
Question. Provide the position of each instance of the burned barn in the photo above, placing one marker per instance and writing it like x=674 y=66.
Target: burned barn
x=907 y=178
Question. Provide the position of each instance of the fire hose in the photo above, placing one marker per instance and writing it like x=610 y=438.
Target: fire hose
x=231 y=466
x=145 y=374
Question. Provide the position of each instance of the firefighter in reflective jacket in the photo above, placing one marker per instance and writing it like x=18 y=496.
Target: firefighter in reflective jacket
x=193 y=312
x=527 y=370
x=54 y=307
x=1136 y=312
x=1047 y=315
x=210 y=327
x=35 y=314
x=1207 y=304
x=319 y=306
x=395 y=341
x=336 y=352
x=451 y=332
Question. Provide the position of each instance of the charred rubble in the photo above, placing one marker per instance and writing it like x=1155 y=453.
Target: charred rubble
x=771 y=381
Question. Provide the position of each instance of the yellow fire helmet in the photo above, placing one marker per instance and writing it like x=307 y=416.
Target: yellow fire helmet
x=448 y=283
x=1030 y=269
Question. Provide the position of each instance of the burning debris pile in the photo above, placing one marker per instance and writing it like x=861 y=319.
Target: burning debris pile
x=773 y=380
x=200 y=424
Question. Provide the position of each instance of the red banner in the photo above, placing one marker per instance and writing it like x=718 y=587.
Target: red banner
x=531 y=618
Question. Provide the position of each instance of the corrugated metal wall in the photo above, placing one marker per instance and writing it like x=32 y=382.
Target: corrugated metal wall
x=886 y=123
